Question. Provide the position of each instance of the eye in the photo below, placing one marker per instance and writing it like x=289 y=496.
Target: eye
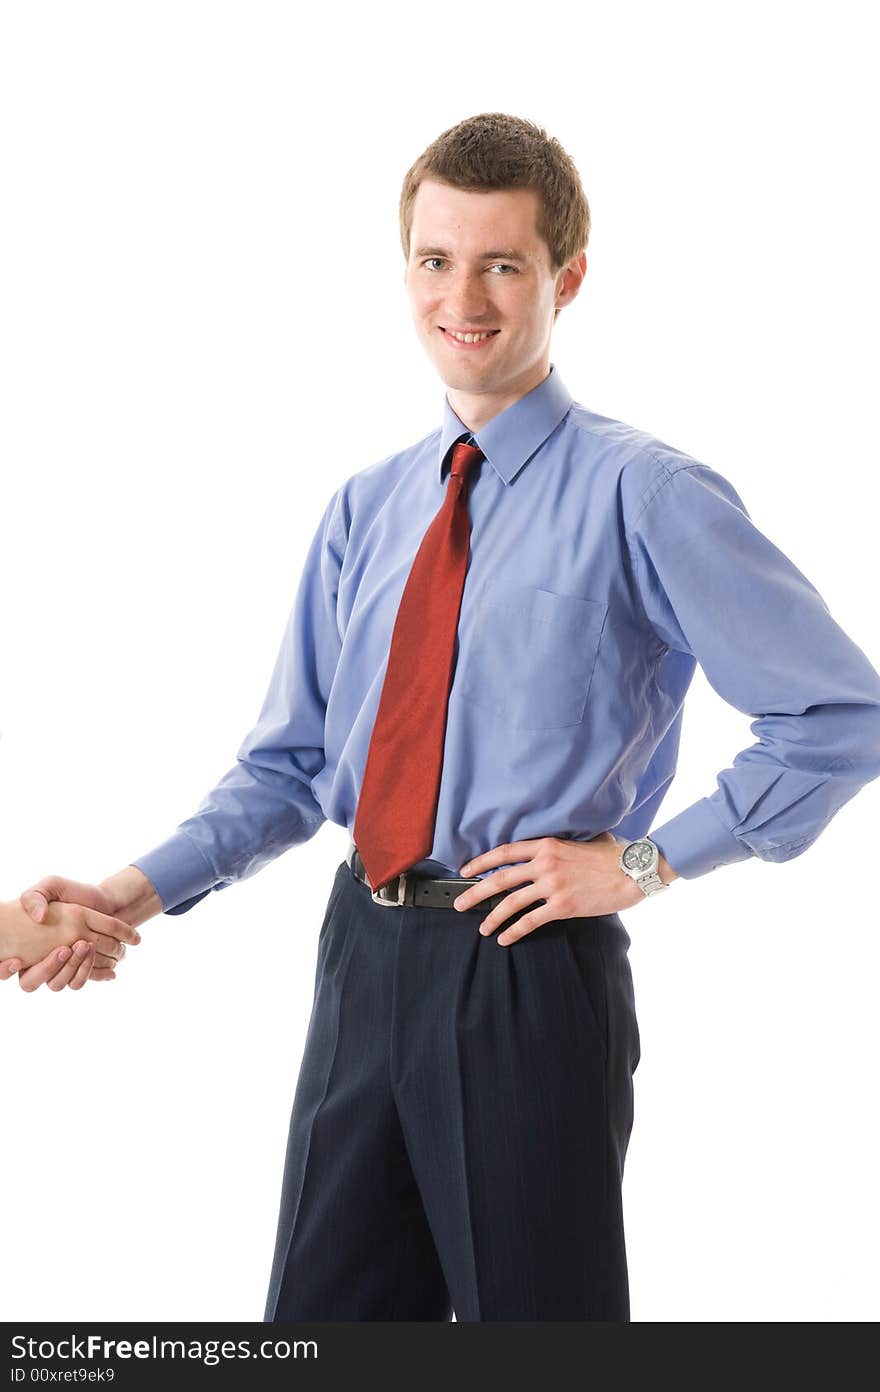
x=432 y=258
x=503 y=266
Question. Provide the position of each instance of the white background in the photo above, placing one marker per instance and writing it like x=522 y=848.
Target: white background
x=205 y=331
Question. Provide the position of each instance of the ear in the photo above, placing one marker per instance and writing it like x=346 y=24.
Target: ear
x=570 y=280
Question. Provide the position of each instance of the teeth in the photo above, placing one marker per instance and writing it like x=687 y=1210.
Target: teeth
x=469 y=338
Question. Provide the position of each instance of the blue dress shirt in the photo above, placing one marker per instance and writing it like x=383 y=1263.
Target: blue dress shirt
x=604 y=565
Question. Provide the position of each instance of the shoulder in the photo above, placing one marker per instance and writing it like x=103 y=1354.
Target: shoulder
x=650 y=473
x=376 y=482
x=362 y=493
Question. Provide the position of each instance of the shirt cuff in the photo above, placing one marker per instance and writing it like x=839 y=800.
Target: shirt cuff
x=177 y=870
x=697 y=841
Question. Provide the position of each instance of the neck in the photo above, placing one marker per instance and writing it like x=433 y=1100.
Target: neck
x=476 y=409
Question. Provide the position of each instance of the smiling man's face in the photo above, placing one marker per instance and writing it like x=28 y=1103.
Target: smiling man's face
x=477 y=266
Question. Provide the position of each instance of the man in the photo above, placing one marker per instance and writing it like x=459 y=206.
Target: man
x=482 y=678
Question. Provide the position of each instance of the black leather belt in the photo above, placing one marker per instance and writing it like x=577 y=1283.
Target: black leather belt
x=419 y=891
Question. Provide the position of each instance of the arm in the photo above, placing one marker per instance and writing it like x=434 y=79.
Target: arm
x=132 y=896
x=263 y=805
x=715 y=589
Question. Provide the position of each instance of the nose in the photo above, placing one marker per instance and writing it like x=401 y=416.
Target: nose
x=467 y=300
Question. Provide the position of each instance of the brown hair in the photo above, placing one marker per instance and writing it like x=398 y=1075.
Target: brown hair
x=496 y=151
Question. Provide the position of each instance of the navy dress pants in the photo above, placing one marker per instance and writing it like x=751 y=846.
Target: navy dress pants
x=460 y=1120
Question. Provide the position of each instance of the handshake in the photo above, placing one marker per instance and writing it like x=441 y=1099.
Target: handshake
x=63 y=933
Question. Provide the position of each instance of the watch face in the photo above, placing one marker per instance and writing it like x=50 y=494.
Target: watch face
x=639 y=856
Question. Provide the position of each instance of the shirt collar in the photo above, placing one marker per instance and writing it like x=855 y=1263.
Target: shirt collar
x=510 y=439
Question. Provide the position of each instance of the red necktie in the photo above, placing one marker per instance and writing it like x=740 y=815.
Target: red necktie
x=397 y=806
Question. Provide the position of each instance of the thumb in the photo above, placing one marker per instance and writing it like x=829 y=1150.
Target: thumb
x=37 y=898
x=35 y=901
x=35 y=904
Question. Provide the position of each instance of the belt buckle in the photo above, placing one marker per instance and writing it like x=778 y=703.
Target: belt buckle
x=397 y=903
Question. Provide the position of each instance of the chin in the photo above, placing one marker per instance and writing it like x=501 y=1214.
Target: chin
x=464 y=374
x=473 y=382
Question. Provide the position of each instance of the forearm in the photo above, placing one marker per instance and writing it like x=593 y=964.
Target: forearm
x=132 y=895
x=665 y=871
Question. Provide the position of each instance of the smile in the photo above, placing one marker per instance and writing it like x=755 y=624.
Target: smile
x=463 y=339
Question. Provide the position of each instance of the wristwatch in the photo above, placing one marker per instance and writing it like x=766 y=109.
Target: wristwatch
x=640 y=859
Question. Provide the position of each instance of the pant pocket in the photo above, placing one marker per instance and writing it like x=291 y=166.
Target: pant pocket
x=342 y=874
x=588 y=972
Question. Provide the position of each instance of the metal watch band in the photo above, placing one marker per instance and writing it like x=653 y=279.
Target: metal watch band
x=650 y=882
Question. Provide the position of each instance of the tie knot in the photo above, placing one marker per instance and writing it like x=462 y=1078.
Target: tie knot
x=464 y=457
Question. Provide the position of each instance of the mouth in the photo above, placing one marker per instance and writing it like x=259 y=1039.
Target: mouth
x=468 y=340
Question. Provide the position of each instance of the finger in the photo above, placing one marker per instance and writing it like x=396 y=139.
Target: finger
x=9 y=968
x=102 y=975
x=492 y=884
x=86 y=959
x=82 y=952
x=523 y=926
x=499 y=855
x=111 y=927
x=102 y=963
x=41 y=972
x=511 y=904
x=110 y=947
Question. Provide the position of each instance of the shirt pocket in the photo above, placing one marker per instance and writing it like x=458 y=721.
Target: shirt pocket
x=531 y=655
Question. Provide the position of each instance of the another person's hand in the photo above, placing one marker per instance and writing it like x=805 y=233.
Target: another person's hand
x=64 y=966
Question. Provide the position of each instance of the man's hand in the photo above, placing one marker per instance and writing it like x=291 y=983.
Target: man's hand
x=574 y=879
x=36 y=900
x=85 y=963
x=63 y=925
x=127 y=896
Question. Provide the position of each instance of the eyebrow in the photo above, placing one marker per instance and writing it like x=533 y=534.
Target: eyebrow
x=505 y=254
